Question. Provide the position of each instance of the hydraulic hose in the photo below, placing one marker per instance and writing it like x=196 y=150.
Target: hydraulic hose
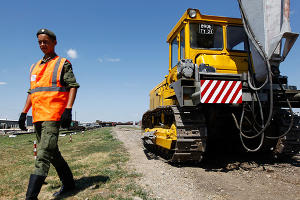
x=259 y=146
x=292 y=117
x=268 y=79
x=250 y=34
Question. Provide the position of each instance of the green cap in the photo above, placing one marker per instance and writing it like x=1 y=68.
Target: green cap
x=47 y=32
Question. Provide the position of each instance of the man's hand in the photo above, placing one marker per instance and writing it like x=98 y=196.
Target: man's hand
x=66 y=118
x=21 y=122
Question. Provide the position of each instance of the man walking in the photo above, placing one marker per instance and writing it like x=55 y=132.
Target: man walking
x=51 y=95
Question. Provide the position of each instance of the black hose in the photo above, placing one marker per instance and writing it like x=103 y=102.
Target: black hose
x=269 y=80
x=250 y=34
x=242 y=135
x=292 y=117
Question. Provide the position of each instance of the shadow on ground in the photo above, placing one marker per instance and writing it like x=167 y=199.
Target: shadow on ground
x=225 y=161
x=84 y=183
x=150 y=155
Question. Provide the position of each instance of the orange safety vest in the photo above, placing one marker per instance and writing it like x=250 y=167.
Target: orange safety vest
x=49 y=98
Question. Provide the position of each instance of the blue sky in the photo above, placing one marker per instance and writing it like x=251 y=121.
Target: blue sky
x=118 y=50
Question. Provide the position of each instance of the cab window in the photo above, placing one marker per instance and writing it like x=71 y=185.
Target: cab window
x=182 y=44
x=174 y=52
x=236 y=38
x=206 y=36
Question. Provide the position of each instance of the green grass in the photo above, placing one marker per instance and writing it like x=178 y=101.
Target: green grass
x=130 y=127
x=96 y=158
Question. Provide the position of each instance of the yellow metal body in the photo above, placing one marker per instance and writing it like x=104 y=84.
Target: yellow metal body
x=223 y=60
x=164 y=136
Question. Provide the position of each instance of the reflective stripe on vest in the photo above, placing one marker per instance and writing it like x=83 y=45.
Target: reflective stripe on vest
x=45 y=89
x=49 y=98
x=54 y=80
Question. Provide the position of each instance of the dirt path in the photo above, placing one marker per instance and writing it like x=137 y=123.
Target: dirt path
x=247 y=181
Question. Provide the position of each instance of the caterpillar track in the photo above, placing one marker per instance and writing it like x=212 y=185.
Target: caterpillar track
x=289 y=144
x=191 y=132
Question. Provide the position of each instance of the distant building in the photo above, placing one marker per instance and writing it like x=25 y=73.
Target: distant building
x=5 y=124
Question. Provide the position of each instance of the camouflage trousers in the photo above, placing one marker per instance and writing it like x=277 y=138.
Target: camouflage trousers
x=47 y=149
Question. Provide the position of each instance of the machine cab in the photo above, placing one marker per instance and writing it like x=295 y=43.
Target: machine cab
x=218 y=42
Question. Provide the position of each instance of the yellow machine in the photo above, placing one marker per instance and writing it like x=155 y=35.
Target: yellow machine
x=199 y=102
x=222 y=46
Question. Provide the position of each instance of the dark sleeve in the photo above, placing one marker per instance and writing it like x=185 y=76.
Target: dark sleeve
x=29 y=90
x=67 y=77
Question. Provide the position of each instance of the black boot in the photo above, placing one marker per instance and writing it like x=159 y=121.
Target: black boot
x=34 y=186
x=66 y=177
x=64 y=190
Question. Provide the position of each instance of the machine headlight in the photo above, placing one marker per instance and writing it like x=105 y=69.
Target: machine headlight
x=192 y=13
x=188 y=72
x=185 y=68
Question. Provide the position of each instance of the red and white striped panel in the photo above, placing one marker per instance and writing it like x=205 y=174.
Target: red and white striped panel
x=217 y=91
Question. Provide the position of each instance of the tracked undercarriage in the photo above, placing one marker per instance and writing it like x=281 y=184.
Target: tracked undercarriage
x=290 y=144
x=188 y=142
x=182 y=134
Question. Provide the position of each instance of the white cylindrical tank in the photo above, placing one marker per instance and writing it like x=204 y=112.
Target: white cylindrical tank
x=269 y=23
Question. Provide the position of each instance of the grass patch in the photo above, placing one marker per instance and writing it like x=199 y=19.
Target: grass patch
x=96 y=159
x=130 y=127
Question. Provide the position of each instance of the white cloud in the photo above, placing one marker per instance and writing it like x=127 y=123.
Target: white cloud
x=113 y=59
x=105 y=59
x=72 y=53
x=100 y=60
x=3 y=83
